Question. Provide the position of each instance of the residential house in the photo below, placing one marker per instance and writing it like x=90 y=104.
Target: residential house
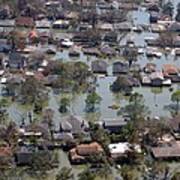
x=119 y=150
x=157 y=78
x=174 y=27
x=99 y=66
x=172 y=72
x=111 y=37
x=167 y=152
x=74 y=124
x=61 y=24
x=174 y=124
x=107 y=51
x=81 y=153
x=154 y=16
x=25 y=22
x=6 y=155
x=114 y=125
x=123 y=26
x=149 y=68
x=120 y=68
x=91 y=51
x=16 y=60
x=24 y=155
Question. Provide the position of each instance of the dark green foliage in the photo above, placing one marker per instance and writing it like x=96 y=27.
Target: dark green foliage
x=168 y=8
x=65 y=174
x=92 y=100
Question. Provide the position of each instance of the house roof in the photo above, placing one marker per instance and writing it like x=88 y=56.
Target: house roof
x=87 y=149
x=63 y=136
x=174 y=123
x=16 y=57
x=75 y=124
x=5 y=151
x=99 y=66
x=25 y=21
x=175 y=27
x=167 y=152
x=120 y=67
x=114 y=122
x=169 y=69
x=119 y=148
x=157 y=75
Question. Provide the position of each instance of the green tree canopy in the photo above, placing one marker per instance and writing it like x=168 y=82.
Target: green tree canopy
x=168 y=8
x=175 y=97
x=92 y=100
x=65 y=173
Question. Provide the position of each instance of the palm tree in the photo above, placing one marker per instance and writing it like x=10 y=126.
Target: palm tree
x=65 y=174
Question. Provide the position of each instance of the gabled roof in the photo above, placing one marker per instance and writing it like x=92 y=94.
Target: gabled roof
x=75 y=124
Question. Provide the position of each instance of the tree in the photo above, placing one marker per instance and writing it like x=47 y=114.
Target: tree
x=100 y=135
x=92 y=100
x=175 y=97
x=176 y=176
x=178 y=13
x=104 y=171
x=130 y=54
x=122 y=84
x=166 y=39
x=32 y=91
x=65 y=174
x=168 y=9
x=136 y=108
x=40 y=164
x=86 y=175
x=64 y=104
x=129 y=173
x=155 y=130
x=3 y=110
x=156 y=171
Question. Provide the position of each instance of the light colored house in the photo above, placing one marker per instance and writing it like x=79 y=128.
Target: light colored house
x=119 y=149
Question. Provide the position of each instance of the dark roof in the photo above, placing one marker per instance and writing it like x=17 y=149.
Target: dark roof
x=108 y=51
x=16 y=57
x=175 y=27
x=120 y=67
x=75 y=124
x=99 y=66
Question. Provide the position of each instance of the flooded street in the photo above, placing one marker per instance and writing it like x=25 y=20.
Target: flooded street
x=155 y=99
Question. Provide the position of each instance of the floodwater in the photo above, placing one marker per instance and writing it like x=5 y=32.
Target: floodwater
x=155 y=99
